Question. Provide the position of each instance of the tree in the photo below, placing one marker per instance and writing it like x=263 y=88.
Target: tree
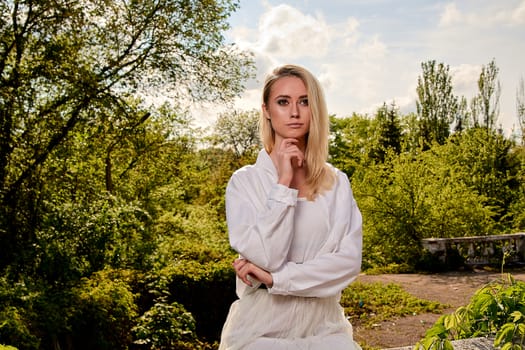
x=485 y=105
x=349 y=142
x=520 y=108
x=491 y=168
x=410 y=197
x=437 y=105
x=238 y=131
x=463 y=117
x=388 y=133
x=68 y=68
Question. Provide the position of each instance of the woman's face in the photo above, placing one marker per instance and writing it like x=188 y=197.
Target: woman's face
x=288 y=109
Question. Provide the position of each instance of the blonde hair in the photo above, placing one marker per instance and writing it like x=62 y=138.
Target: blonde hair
x=319 y=177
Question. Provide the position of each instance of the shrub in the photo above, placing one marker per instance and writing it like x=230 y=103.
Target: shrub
x=7 y=347
x=14 y=329
x=206 y=290
x=165 y=326
x=496 y=310
x=104 y=313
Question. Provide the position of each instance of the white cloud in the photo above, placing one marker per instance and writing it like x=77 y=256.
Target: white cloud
x=287 y=32
x=353 y=67
x=450 y=15
x=464 y=79
x=366 y=58
x=350 y=32
x=518 y=14
x=495 y=13
x=373 y=50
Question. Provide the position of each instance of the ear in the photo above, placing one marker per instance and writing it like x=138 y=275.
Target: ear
x=265 y=111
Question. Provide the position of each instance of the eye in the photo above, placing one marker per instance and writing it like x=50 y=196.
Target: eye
x=303 y=102
x=282 y=102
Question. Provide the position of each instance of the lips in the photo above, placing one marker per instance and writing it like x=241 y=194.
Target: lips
x=295 y=125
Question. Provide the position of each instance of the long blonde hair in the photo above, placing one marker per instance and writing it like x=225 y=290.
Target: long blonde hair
x=319 y=176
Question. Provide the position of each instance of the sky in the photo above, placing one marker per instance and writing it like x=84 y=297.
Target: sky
x=368 y=52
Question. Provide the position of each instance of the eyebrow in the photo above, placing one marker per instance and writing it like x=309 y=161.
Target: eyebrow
x=288 y=96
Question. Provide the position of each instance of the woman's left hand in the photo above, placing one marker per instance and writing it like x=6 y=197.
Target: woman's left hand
x=245 y=269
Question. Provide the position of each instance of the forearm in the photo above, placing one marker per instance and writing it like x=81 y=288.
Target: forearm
x=336 y=264
x=323 y=277
x=262 y=235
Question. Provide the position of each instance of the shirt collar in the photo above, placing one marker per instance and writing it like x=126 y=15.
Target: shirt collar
x=265 y=162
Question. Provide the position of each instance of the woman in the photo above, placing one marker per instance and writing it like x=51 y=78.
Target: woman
x=296 y=226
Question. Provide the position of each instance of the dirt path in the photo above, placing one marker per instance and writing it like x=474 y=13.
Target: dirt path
x=453 y=288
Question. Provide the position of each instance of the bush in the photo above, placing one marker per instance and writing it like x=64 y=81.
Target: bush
x=206 y=290
x=104 y=313
x=16 y=300
x=193 y=267
x=14 y=330
x=7 y=347
x=497 y=310
x=165 y=326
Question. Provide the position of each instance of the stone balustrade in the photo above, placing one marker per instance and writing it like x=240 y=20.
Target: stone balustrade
x=479 y=250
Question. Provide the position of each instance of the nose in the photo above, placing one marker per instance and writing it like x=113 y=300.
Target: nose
x=295 y=110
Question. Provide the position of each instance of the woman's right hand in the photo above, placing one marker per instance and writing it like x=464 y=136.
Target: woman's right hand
x=288 y=157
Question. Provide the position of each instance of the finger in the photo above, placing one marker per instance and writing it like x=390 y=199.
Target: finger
x=297 y=156
x=245 y=278
x=239 y=262
x=287 y=143
x=242 y=272
x=249 y=273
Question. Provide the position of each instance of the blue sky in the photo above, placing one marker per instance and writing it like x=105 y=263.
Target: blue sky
x=366 y=52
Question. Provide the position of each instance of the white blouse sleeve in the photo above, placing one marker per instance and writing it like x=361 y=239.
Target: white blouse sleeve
x=260 y=225
x=338 y=264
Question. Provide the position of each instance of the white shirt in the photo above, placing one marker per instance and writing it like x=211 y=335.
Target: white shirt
x=265 y=226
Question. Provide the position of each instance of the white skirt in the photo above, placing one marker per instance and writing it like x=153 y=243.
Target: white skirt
x=260 y=320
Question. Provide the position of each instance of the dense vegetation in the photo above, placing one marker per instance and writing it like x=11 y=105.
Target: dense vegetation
x=497 y=310
x=112 y=230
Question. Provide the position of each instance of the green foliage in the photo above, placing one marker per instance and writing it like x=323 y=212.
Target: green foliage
x=517 y=207
x=485 y=106
x=112 y=210
x=16 y=314
x=495 y=310
x=470 y=185
x=195 y=234
x=103 y=312
x=165 y=326
x=349 y=142
x=436 y=105
x=97 y=313
x=14 y=329
x=74 y=77
x=493 y=167
x=192 y=266
x=372 y=303
x=205 y=289
x=413 y=197
x=451 y=190
x=77 y=239
x=520 y=109
x=238 y=131
x=387 y=134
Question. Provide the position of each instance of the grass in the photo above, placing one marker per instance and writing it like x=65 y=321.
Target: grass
x=369 y=304
x=373 y=303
